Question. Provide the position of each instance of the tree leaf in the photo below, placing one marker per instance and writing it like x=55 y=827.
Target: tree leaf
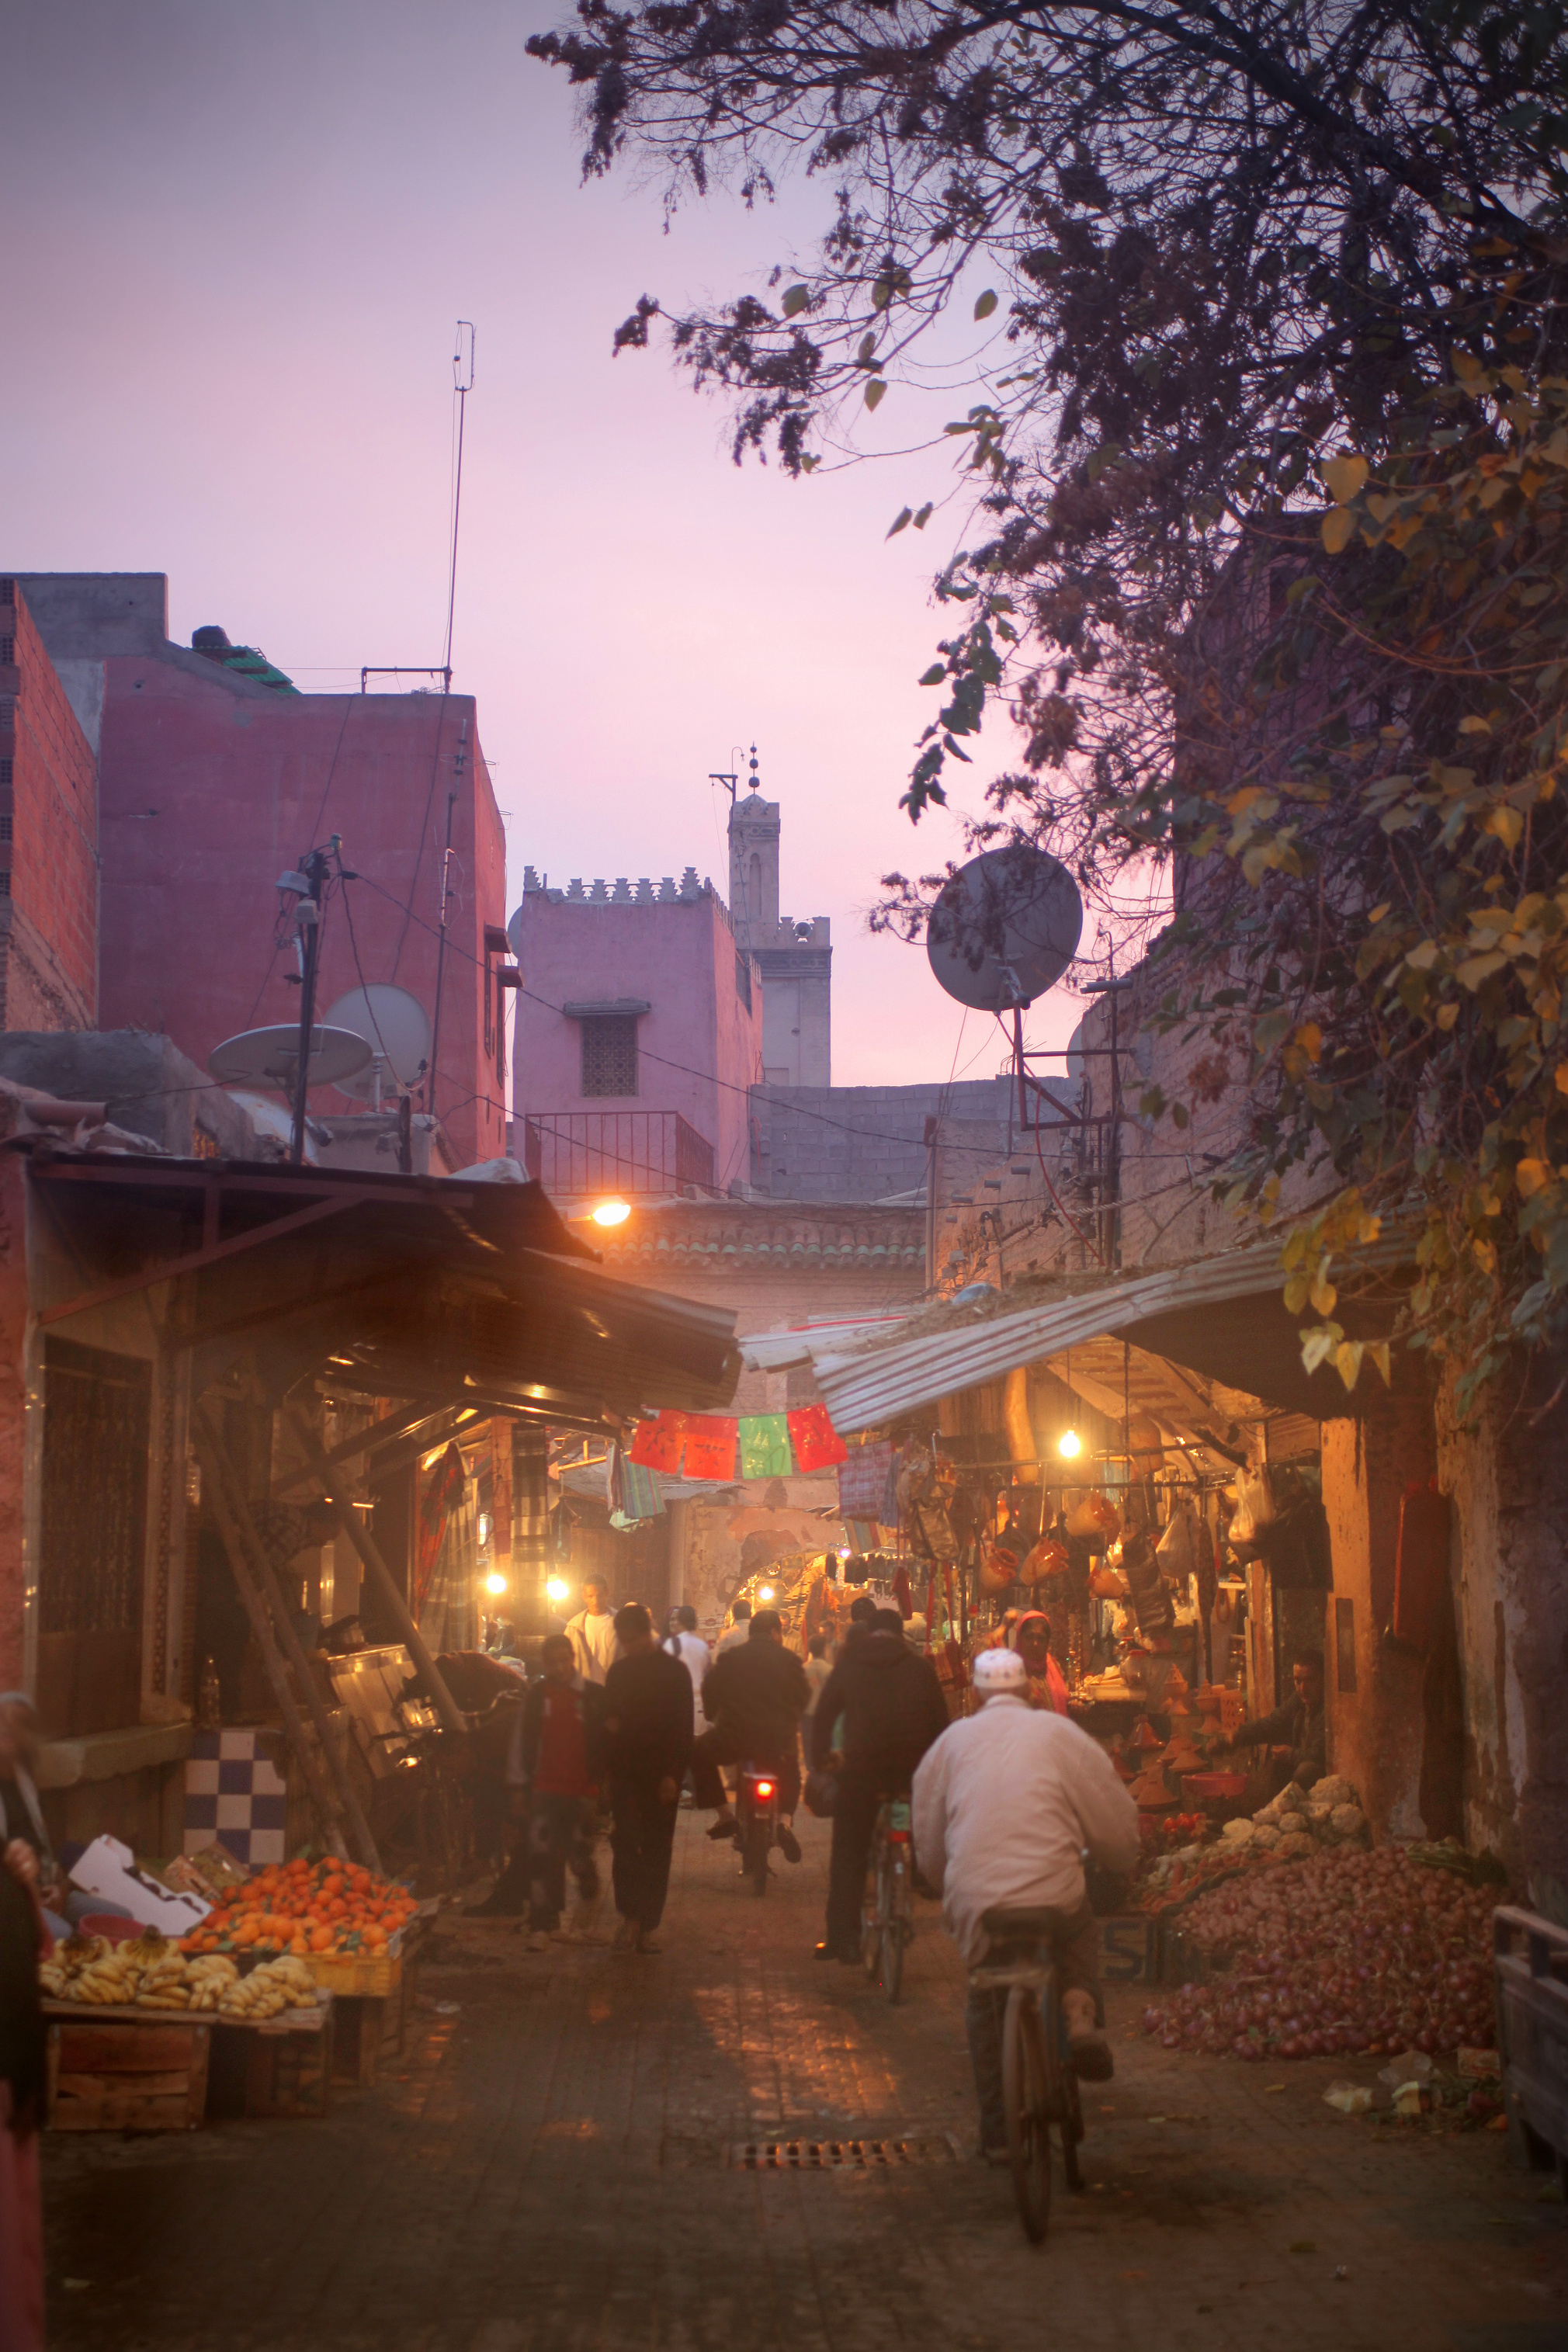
x=901 y=520
x=986 y=304
x=1339 y=529
x=874 y=391
x=795 y=299
x=1345 y=476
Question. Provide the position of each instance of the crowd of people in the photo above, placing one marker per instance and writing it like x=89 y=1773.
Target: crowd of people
x=1008 y=1803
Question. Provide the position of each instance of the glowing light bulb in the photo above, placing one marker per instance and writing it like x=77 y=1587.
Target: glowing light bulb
x=495 y=1582
x=764 y=1593
x=612 y=1213
x=556 y=1590
x=1070 y=1445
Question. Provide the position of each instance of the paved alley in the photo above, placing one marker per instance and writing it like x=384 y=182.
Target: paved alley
x=553 y=2165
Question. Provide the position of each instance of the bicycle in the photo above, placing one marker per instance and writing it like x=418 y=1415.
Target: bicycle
x=886 y=1915
x=1039 y=2089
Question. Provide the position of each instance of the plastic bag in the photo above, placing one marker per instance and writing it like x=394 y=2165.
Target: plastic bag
x=1094 y=1518
x=1254 y=1512
x=1176 y=1551
x=821 y=1794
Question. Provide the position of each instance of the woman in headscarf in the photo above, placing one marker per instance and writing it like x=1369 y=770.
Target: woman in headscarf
x=24 y=1942
x=1031 y=1637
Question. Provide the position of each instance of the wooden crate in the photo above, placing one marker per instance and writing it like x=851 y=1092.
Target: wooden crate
x=126 y=2069
x=370 y=2028
x=280 y=2067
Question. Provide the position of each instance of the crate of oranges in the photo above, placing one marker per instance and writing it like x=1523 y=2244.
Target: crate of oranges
x=342 y=1920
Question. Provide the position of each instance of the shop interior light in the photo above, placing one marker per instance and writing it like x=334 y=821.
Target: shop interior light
x=495 y=1582
x=1070 y=1445
x=612 y=1213
x=556 y=1590
x=764 y=1593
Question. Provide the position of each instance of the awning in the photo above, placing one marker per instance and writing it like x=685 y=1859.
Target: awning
x=392 y=1286
x=1223 y=1317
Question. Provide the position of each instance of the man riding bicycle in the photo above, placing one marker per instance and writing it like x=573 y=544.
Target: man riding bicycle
x=1006 y=1805
x=753 y=1695
x=879 y=1710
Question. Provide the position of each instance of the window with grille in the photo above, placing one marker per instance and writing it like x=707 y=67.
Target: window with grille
x=96 y=1420
x=6 y=775
x=610 y=1054
x=7 y=650
x=7 y=591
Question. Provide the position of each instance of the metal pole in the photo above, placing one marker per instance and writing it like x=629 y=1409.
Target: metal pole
x=315 y=866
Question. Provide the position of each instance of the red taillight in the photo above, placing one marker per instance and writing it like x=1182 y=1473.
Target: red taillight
x=762 y=1788
x=897 y=1837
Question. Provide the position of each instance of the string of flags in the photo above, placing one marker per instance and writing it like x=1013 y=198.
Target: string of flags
x=727 y=1447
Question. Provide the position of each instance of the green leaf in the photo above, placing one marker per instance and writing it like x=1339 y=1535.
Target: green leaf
x=924 y=514
x=986 y=304
x=937 y=676
x=902 y=521
x=795 y=299
x=874 y=391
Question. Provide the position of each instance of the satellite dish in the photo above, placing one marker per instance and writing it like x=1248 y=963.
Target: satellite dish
x=396 y=1032
x=1004 y=929
x=270 y=1057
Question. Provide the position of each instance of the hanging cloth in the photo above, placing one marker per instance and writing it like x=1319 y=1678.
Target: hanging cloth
x=817 y=1444
x=764 y=1446
x=710 y=1446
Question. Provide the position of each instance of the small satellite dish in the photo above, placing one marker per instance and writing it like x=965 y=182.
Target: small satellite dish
x=270 y=1057
x=397 y=1032
x=1004 y=929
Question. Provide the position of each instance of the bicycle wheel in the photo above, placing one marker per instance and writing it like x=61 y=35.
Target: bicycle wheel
x=1024 y=2091
x=756 y=1858
x=893 y=1902
x=871 y=1914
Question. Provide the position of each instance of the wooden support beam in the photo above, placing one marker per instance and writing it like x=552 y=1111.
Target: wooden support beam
x=216 y=1463
x=364 y=1543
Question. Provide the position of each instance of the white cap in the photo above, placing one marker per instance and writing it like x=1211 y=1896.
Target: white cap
x=995 y=1670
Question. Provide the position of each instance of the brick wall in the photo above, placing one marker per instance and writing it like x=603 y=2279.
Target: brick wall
x=49 y=839
x=864 y=1143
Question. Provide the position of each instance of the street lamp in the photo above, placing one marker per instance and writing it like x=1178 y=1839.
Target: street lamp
x=611 y=1213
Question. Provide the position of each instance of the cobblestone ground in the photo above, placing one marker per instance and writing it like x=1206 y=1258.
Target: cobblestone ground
x=549 y=2166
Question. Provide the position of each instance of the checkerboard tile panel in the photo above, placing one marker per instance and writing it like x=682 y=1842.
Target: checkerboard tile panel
x=236 y=1795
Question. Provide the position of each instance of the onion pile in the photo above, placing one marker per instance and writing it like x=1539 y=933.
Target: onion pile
x=1350 y=1952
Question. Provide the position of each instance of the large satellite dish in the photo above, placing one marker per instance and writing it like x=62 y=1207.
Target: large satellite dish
x=1004 y=929
x=270 y=1057
x=395 y=1028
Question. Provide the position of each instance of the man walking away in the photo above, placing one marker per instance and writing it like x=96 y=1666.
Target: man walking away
x=736 y=1633
x=1004 y=1805
x=555 y=1759
x=647 y=1737
x=755 y=1699
x=684 y=1641
x=890 y=1706
x=592 y=1632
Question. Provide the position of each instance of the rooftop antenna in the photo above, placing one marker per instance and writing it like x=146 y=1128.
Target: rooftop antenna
x=462 y=384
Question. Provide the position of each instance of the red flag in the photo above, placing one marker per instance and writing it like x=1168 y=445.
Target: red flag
x=709 y=1445
x=656 y=1444
x=817 y=1444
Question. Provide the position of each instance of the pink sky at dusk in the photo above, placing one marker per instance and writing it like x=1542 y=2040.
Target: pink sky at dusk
x=237 y=240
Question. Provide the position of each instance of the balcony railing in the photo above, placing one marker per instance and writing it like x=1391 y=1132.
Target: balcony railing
x=574 y=1151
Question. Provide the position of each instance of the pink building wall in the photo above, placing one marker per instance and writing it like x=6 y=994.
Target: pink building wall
x=699 y=1047
x=213 y=785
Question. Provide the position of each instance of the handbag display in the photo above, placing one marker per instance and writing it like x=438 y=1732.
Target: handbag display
x=1095 y=1520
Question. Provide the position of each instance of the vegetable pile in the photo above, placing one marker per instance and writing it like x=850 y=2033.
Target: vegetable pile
x=1353 y=1951
x=307 y=1909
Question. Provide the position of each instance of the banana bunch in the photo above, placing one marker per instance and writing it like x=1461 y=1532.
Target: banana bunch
x=208 y=1979
x=275 y=1986
x=101 y=1976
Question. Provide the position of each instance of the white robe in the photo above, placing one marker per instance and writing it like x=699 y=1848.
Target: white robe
x=1004 y=1805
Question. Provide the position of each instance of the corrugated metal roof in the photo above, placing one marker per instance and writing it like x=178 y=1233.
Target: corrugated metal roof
x=876 y=1384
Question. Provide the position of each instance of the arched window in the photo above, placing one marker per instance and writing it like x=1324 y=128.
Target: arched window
x=755 y=888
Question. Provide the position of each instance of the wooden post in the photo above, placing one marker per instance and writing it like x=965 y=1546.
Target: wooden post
x=364 y=1543
x=215 y=1461
x=261 y=1626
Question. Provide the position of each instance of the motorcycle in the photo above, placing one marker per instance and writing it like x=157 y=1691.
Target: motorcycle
x=757 y=1821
